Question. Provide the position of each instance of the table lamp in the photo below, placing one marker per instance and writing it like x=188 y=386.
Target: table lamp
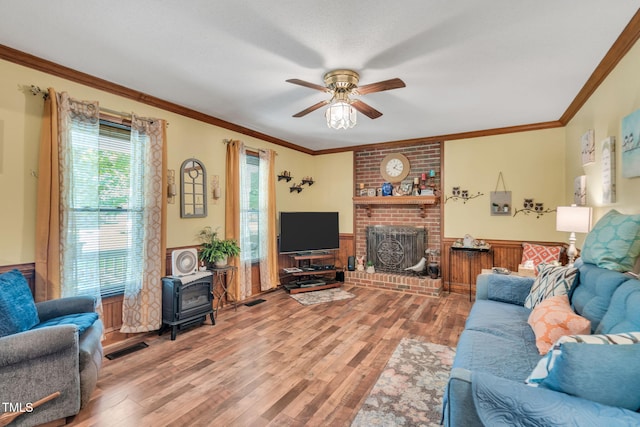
x=573 y=219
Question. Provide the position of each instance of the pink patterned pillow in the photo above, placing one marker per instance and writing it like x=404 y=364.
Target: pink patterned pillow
x=554 y=318
x=540 y=254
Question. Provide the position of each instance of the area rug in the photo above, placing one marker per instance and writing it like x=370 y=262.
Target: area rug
x=318 y=297
x=409 y=390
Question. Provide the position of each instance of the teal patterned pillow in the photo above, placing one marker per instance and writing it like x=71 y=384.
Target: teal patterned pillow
x=614 y=242
x=552 y=280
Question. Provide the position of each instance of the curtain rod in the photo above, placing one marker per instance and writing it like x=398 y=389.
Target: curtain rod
x=35 y=90
x=228 y=141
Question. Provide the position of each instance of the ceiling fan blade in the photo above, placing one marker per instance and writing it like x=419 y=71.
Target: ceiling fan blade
x=307 y=84
x=314 y=107
x=379 y=86
x=366 y=109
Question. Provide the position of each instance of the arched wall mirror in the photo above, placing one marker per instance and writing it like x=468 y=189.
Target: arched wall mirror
x=194 y=189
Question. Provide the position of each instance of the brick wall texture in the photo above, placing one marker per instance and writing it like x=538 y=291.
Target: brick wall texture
x=422 y=159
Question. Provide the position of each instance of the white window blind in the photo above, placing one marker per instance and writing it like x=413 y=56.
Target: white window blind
x=106 y=208
x=252 y=211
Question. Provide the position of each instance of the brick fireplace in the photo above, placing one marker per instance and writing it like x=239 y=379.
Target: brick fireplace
x=422 y=159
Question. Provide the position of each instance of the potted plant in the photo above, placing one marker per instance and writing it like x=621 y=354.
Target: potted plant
x=370 y=267
x=216 y=251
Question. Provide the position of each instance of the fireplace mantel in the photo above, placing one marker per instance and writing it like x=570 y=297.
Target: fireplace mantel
x=421 y=201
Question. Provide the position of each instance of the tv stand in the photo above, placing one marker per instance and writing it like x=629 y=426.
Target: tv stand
x=307 y=253
x=314 y=271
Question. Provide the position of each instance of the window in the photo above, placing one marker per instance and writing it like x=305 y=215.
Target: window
x=106 y=208
x=253 y=211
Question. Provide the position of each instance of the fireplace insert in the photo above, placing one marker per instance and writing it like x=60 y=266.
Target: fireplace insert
x=392 y=248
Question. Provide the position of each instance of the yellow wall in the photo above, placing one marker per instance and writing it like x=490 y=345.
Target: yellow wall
x=331 y=190
x=543 y=165
x=334 y=174
x=617 y=97
x=539 y=164
x=20 y=115
x=532 y=165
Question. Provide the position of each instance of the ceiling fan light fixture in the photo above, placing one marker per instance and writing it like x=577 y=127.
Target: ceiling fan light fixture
x=341 y=115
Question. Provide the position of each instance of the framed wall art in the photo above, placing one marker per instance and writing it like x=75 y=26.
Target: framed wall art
x=609 y=170
x=631 y=145
x=587 y=144
x=500 y=201
x=580 y=190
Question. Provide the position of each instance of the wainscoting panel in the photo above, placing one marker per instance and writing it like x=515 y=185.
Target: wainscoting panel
x=506 y=253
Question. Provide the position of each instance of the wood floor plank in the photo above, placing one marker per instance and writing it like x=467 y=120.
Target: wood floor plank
x=278 y=363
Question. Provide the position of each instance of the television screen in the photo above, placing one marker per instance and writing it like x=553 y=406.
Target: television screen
x=308 y=231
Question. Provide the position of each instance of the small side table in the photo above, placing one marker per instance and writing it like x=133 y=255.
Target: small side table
x=222 y=276
x=471 y=252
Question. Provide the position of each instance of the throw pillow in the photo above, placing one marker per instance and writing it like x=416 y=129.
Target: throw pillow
x=82 y=321
x=18 y=311
x=553 y=318
x=614 y=242
x=586 y=367
x=546 y=364
x=540 y=254
x=551 y=280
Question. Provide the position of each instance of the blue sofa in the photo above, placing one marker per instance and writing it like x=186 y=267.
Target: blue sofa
x=497 y=352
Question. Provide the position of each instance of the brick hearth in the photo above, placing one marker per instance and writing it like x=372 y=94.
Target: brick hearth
x=396 y=282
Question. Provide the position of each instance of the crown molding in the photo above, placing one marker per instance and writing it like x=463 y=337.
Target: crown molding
x=621 y=46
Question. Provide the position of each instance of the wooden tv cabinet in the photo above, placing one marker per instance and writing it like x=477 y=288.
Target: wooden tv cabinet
x=310 y=265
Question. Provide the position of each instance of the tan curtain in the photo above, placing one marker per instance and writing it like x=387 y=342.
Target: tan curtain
x=142 y=304
x=232 y=209
x=269 y=278
x=47 y=256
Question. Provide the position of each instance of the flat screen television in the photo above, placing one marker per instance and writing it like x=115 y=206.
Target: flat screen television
x=308 y=231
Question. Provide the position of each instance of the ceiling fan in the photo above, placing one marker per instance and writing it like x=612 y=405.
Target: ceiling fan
x=343 y=83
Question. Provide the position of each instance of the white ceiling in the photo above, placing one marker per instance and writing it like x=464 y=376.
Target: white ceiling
x=468 y=65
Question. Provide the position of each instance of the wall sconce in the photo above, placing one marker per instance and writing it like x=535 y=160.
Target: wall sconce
x=286 y=175
x=215 y=184
x=171 y=186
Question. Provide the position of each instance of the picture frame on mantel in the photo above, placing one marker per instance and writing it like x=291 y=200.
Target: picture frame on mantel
x=609 y=170
x=588 y=147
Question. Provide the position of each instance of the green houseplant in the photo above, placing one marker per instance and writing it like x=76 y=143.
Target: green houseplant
x=214 y=250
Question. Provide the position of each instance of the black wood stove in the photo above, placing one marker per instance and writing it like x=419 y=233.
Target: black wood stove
x=186 y=301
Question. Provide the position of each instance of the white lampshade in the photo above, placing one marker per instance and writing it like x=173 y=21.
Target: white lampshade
x=341 y=115
x=573 y=218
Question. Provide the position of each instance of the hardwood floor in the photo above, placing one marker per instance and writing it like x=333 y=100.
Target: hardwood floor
x=277 y=363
